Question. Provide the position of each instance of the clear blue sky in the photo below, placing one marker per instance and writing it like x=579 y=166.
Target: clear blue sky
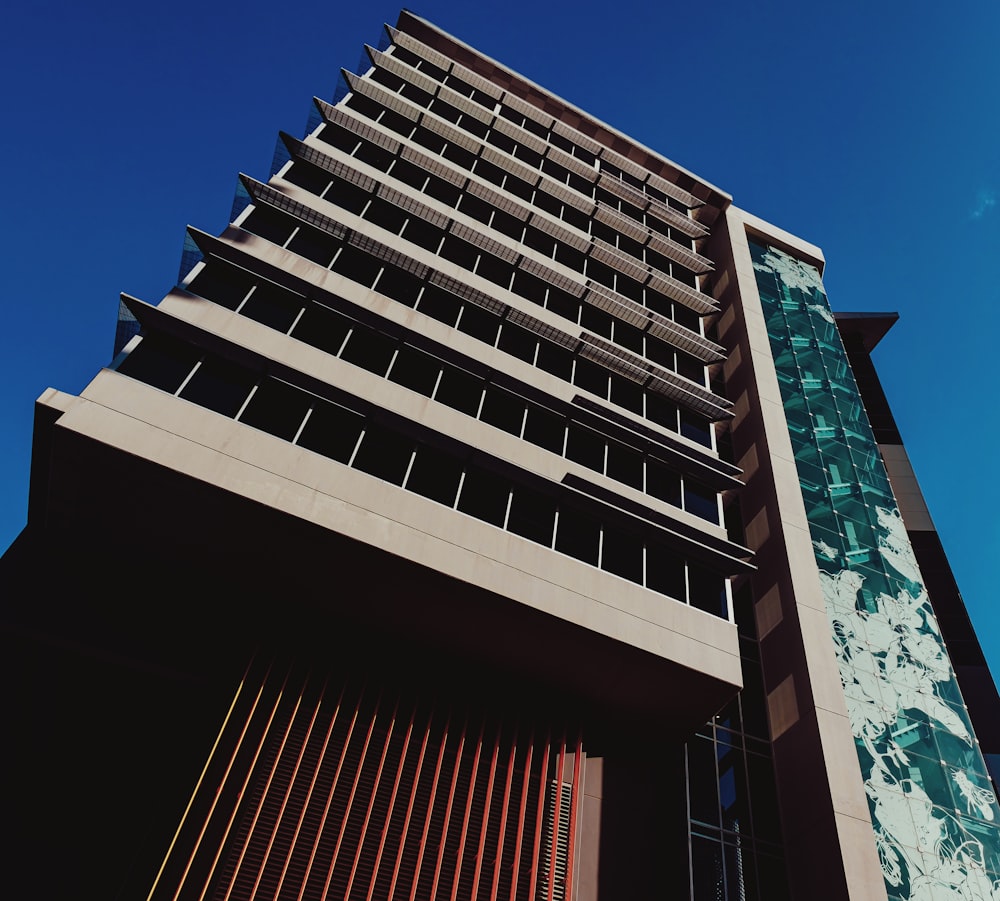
x=867 y=128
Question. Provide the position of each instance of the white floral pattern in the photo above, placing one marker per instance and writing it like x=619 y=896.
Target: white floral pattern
x=934 y=814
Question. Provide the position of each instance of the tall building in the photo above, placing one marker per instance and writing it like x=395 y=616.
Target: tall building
x=492 y=511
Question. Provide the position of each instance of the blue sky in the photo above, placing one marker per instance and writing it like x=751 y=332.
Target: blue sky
x=869 y=129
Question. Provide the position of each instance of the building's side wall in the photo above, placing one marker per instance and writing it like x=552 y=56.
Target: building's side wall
x=978 y=688
x=825 y=819
x=932 y=807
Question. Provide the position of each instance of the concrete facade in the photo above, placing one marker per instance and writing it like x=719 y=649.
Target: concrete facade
x=441 y=535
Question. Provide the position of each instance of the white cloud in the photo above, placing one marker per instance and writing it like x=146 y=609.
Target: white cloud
x=985 y=201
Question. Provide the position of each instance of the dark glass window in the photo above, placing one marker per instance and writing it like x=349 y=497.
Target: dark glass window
x=161 y=362
x=629 y=336
x=707 y=590
x=518 y=341
x=591 y=377
x=546 y=429
x=312 y=178
x=423 y=234
x=415 y=370
x=660 y=353
x=332 y=431
x=706 y=870
x=696 y=428
x=625 y=465
x=621 y=554
x=494 y=270
x=484 y=495
x=435 y=475
x=219 y=385
x=479 y=323
x=377 y=156
x=323 y=328
x=502 y=409
x=314 y=245
x=687 y=317
x=563 y=304
x=269 y=224
x=384 y=454
x=661 y=411
x=701 y=501
x=222 y=283
x=597 y=321
x=439 y=304
x=665 y=573
x=357 y=265
x=273 y=306
x=690 y=368
x=351 y=197
x=276 y=407
x=578 y=535
x=532 y=515
x=386 y=215
x=369 y=349
x=585 y=447
x=459 y=390
x=444 y=191
x=626 y=393
x=458 y=251
x=703 y=782
x=398 y=284
x=663 y=483
x=555 y=360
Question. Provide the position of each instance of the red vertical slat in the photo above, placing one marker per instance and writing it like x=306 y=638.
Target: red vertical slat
x=409 y=807
x=215 y=797
x=465 y=818
x=503 y=820
x=521 y=812
x=447 y=813
x=371 y=801
x=329 y=796
x=556 y=816
x=263 y=798
x=486 y=816
x=392 y=805
x=573 y=808
x=242 y=792
x=288 y=790
x=539 y=820
x=430 y=809
x=309 y=794
x=350 y=800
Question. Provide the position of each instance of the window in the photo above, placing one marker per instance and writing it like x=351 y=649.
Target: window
x=332 y=431
x=484 y=495
x=276 y=407
x=161 y=362
x=219 y=385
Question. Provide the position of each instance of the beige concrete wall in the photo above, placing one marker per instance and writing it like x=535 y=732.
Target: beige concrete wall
x=830 y=845
x=136 y=419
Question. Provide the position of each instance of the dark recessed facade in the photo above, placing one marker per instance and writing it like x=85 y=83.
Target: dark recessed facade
x=492 y=511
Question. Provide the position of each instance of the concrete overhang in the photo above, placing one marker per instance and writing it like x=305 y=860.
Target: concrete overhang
x=207 y=519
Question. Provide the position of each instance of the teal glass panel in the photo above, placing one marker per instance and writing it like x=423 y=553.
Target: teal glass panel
x=935 y=818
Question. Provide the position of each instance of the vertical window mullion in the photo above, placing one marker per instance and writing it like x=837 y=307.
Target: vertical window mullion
x=249 y=398
x=357 y=445
x=409 y=467
x=302 y=424
x=295 y=322
x=506 y=512
x=189 y=376
x=458 y=493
